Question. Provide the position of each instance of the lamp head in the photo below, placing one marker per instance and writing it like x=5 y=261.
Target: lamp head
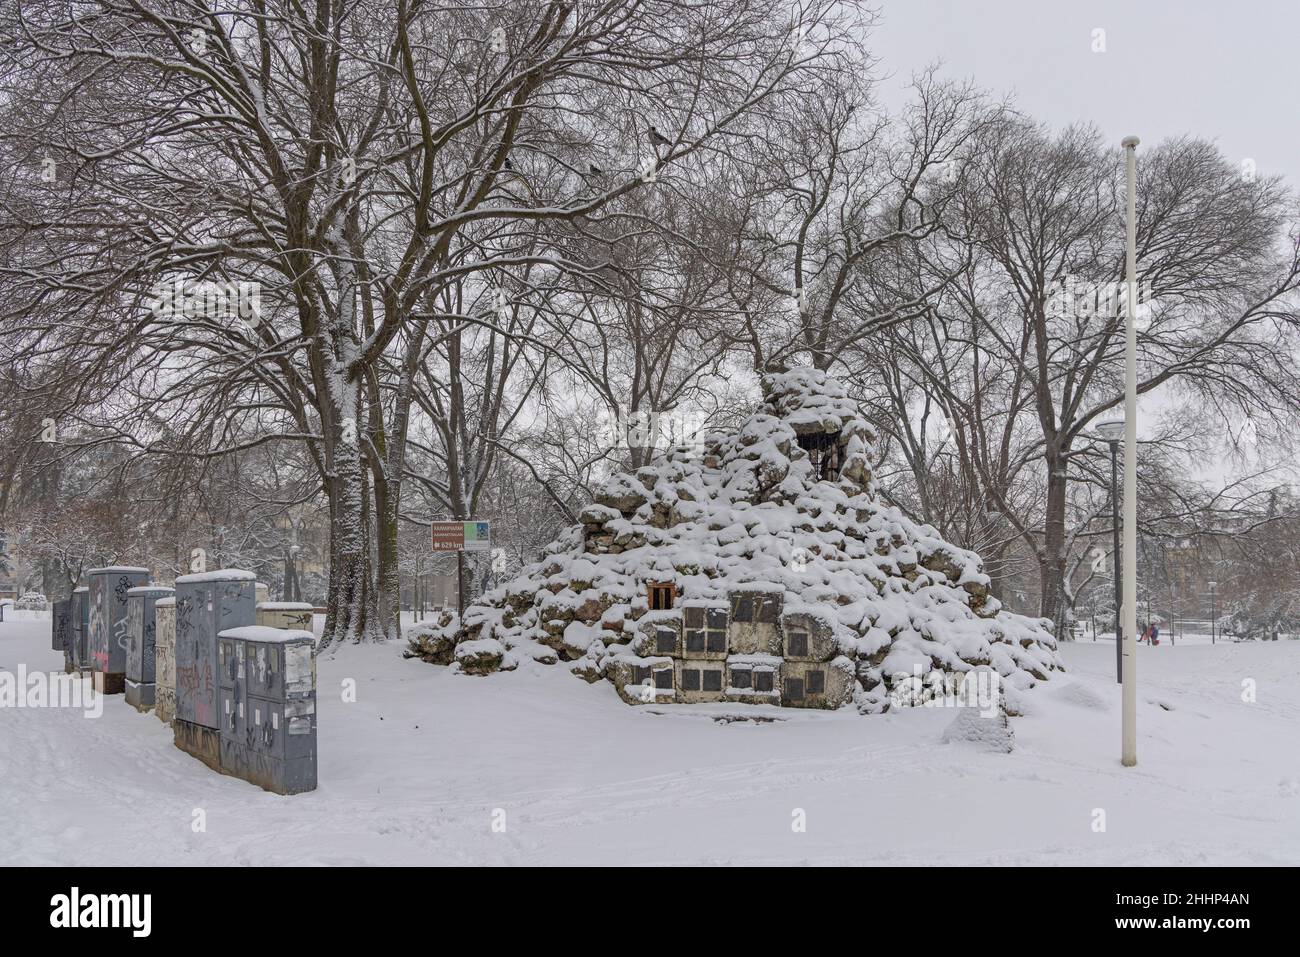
x=1110 y=430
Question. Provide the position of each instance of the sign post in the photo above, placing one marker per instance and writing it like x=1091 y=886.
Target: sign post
x=461 y=537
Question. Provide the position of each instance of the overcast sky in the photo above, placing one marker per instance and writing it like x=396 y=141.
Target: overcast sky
x=1224 y=70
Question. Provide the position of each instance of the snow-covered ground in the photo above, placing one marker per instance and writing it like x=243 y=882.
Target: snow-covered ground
x=422 y=765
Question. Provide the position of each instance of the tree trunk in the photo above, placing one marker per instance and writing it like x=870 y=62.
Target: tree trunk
x=51 y=580
x=1051 y=560
x=350 y=606
x=388 y=477
x=388 y=580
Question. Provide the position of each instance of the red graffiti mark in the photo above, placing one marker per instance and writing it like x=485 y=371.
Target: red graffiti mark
x=187 y=679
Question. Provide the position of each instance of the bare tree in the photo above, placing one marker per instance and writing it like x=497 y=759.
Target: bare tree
x=351 y=162
x=1039 y=219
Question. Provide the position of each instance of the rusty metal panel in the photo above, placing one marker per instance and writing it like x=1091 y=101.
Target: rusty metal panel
x=202 y=742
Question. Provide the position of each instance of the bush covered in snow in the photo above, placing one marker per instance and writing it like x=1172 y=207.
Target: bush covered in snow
x=31 y=601
x=784 y=507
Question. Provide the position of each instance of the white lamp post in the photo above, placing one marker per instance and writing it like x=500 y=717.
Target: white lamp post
x=1214 y=613
x=1129 y=755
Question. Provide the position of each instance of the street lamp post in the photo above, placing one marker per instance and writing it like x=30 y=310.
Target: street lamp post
x=415 y=592
x=1129 y=730
x=1214 y=614
x=292 y=587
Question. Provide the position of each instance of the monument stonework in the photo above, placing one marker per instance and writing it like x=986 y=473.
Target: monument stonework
x=761 y=567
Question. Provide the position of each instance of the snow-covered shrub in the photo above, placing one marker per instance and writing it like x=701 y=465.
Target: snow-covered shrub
x=1263 y=618
x=31 y=601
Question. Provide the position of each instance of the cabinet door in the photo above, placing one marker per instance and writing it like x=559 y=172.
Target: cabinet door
x=267 y=726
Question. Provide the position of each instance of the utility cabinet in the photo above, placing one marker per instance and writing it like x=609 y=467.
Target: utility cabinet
x=80 y=627
x=206 y=604
x=61 y=627
x=141 y=644
x=108 y=637
x=164 y=616
x=267 y=693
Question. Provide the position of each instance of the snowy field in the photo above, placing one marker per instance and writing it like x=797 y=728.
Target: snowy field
x=420 y=766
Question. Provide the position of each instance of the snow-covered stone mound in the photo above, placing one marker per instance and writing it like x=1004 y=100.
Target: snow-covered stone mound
x=761 y=567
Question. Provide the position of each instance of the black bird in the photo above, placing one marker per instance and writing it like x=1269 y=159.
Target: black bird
x=658 y=139
x=509 y=165
x=595 y=170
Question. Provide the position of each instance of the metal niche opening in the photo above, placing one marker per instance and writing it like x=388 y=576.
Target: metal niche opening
x=661 y=595
x=823 y=450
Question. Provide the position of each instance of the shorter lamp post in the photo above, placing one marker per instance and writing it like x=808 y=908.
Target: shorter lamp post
x=1214 y=615
x=293 y=590
x=1112 y=433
